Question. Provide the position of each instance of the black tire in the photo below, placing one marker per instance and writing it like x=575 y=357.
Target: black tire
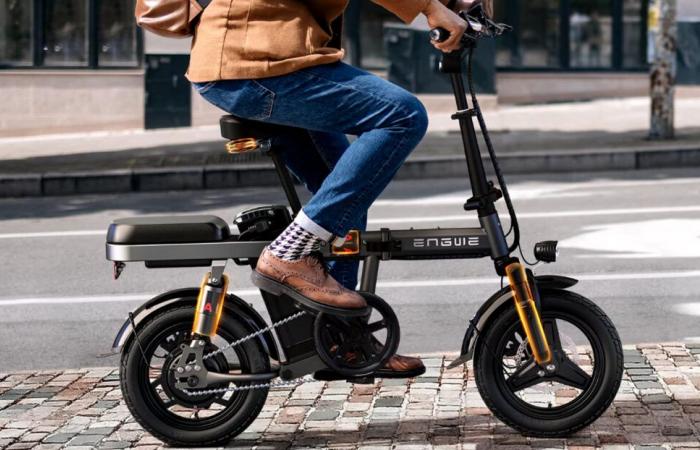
x=142 y=399
x=595 y=398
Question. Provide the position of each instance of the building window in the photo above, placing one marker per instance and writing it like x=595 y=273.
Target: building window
x=535 y=42
x=634 y=16
x=69 y=34
x=117 y=33
x=16 y=32
x=65 y=33
x=590 y=34
x=572 y=34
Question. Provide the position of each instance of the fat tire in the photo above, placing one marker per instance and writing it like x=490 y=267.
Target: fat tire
x=130 y=374
x=552 y=300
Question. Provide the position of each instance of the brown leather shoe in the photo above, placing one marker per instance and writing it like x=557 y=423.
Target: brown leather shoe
x=398 y=366
x=307 y=281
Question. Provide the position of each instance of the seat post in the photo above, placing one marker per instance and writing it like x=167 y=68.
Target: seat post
x=286 y=180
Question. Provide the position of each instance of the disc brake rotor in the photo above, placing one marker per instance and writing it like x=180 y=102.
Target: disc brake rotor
x=217 y=363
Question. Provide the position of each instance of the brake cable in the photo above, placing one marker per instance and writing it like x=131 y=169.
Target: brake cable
x=514 y=226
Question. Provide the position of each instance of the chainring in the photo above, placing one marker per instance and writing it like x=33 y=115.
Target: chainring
x=358 y=346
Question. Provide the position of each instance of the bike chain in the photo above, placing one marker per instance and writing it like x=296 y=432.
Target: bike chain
x=240 y=341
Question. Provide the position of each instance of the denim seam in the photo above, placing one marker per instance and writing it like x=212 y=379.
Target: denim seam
x=271 y=95
x=318 y=150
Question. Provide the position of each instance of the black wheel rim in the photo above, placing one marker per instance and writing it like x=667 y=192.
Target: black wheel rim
x=587 y=387
x=171 y=409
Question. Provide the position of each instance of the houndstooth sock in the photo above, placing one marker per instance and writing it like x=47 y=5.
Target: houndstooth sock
x=294 y=243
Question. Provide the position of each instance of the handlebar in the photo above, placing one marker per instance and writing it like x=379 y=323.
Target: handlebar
x=478 y=25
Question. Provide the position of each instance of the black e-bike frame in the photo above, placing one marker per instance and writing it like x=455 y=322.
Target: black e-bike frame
x=296 y=348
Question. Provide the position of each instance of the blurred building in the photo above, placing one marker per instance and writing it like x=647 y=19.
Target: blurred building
x=84 y=65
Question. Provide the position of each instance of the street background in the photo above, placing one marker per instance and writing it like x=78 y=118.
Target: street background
x=99 y=122
x=631 y=237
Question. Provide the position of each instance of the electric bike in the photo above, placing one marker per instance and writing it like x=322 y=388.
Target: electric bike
x=197 y=363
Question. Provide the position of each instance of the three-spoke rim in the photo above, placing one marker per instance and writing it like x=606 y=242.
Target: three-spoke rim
x=563 y=370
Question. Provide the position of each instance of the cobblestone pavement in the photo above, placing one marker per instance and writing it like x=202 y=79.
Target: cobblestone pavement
x=658 y=406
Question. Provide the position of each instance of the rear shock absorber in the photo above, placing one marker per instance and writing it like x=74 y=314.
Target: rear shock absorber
x=528 y=313
x=210 y=305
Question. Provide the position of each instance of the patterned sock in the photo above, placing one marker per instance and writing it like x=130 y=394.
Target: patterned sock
x=294 y=243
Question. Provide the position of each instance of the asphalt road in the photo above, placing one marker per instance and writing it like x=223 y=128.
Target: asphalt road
x=632 y=238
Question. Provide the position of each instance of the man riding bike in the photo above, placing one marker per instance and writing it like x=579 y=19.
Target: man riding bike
x=280 y=62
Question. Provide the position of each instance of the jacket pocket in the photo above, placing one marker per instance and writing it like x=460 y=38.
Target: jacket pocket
x=246 y=99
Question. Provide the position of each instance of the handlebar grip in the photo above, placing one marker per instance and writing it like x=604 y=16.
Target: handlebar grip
x=439 y=34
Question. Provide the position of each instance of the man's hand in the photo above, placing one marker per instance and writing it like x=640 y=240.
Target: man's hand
x=439 y=16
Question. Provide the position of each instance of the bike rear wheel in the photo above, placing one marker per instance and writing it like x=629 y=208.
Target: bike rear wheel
x=148 y=385
x=560 y=398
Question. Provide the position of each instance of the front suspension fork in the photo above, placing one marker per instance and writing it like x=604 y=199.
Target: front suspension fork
x=210 y=303
x=528 y=312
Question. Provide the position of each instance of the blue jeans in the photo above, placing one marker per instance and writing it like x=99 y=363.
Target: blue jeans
x=330 y=102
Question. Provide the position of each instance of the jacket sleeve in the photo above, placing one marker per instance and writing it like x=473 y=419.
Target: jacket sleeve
x=406 y=10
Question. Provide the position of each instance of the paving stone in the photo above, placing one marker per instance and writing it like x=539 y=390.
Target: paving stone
x=325 y=414
x=389 y=402
x=85 y=440
x=59 y=438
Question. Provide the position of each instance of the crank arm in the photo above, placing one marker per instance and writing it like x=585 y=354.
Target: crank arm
x=216 y=378
x=204 y=379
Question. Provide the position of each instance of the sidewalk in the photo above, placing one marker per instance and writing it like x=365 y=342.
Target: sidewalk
x=597 y=135
x=658 y=406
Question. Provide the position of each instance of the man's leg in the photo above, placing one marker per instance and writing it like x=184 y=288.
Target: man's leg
x=311 y=156
x=335 y=98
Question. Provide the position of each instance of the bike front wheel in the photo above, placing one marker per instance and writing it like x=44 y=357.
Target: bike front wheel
x=569 y=393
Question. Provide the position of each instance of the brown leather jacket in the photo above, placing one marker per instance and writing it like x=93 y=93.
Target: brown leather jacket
x=242 y=39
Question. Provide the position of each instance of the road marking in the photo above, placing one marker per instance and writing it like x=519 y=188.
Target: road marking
x=397 y=284
x=407 y=220
x=687 y=309
x=535 y=190
x=663 y=238
x=546 y=215
x=47 y=234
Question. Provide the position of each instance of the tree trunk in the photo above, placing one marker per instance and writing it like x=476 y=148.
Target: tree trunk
x=663 y=67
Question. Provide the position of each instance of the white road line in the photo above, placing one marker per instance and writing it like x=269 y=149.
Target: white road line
x=381 y=285
x=425 y=219
x=535 y=190
x=47 y=234
x=546 y=215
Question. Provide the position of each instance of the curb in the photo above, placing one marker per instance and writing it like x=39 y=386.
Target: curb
x=223 y=176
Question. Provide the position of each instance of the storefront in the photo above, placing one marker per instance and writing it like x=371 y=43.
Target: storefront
x=84 y=65
x=581 y=42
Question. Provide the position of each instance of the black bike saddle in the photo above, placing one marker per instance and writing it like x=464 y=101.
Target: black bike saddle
x=234 y=128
